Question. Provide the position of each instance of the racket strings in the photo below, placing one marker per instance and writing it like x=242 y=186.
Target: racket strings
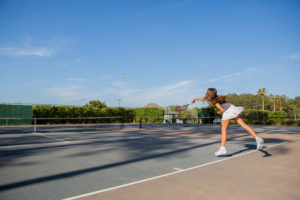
x=181 y=108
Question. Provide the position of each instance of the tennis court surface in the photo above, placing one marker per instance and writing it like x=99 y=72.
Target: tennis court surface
x=150 y=163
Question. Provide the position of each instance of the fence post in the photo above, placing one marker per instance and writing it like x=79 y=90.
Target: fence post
x=34 y=125
x=122 y=122
x=140 y=124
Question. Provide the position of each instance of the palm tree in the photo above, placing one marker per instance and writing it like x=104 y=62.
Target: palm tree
x=274 y=99
x=262 y=92
x=281 y=99
x=294 y=108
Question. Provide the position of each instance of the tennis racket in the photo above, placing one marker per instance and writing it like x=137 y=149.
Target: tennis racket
x=182 y=107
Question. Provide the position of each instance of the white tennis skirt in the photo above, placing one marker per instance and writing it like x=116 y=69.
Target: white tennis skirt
x=232 y=112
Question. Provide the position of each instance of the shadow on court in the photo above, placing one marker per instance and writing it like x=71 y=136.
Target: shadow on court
x=247 y=147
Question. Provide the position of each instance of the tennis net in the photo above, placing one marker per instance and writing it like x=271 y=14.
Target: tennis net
x=150 y=122
x=19 y=125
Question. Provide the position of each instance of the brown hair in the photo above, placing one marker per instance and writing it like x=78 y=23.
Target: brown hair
x=212 y=98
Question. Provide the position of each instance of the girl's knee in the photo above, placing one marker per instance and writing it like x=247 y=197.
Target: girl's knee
x=238 y=118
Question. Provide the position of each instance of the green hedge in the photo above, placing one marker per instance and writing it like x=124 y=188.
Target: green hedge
x=276 y=117
x=129 y=115
x=255 y=115
x=209 y=111
x=155 y=113
x=292 y=122
x=50 y=111
x=264 y=117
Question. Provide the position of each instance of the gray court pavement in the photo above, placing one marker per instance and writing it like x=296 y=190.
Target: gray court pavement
x=254 y=175
x=61 y=165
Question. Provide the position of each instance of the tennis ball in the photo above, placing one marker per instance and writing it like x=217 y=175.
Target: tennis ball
x=123 y=76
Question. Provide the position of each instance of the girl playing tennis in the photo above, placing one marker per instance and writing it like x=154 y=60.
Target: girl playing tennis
x=229 y=111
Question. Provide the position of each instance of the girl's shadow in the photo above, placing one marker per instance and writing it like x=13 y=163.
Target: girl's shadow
x=247 y=148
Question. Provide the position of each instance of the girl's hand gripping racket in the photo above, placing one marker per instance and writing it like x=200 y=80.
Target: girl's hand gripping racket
x=183 y=107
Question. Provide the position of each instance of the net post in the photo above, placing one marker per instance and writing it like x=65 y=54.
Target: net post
x=34 y=125
x=140 y=124
x=122 y=123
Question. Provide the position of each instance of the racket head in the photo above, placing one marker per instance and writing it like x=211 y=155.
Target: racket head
x=181 y=107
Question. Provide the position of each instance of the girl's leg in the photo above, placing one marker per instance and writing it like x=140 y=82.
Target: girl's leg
x=222 y=150
x=259 y=141
x=225 y=124
x=240 y=121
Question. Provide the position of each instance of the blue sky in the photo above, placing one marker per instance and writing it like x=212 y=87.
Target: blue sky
x=69 y=52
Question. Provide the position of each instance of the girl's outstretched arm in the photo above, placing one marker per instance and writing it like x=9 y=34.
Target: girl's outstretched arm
x=198 y=99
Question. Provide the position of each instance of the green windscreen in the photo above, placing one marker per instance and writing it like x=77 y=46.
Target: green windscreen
x=9 y=113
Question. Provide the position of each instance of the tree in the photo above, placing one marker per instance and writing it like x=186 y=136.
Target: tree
x=281 y=99
x=96 y=104
x=294 y=108
x=262 y=92
x=274 y=99
x=249 y=101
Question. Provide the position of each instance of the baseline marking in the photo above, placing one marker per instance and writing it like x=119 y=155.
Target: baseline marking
x=177 y=169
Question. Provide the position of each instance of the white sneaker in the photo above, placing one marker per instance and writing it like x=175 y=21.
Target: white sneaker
x=222 y=151
x=259 y=143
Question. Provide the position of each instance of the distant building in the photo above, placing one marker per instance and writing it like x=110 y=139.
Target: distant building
x=169 y=117
x=153 y=105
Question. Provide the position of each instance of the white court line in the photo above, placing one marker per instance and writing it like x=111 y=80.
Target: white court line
x=164 y=175
x=51 y=137
x=177 y=169
x=25 y=146
x=48 y=144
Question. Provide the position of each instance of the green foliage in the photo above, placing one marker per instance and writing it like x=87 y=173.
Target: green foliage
x=256 y=122
x=255 y=115
x=281 y=102
x=96 y=104
x=187 y=114
x=149 y=112
x=207 y=114
x=251 y=116
x=232 y=122
x=264 y=117
x=129 y=114
x=209 y=111
x=248 y=101
x=235 y=122
x=276 y=117
x=50 y=111
x=246 y=121
x=292 y=122
x=252 y=104
x=43 y=111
